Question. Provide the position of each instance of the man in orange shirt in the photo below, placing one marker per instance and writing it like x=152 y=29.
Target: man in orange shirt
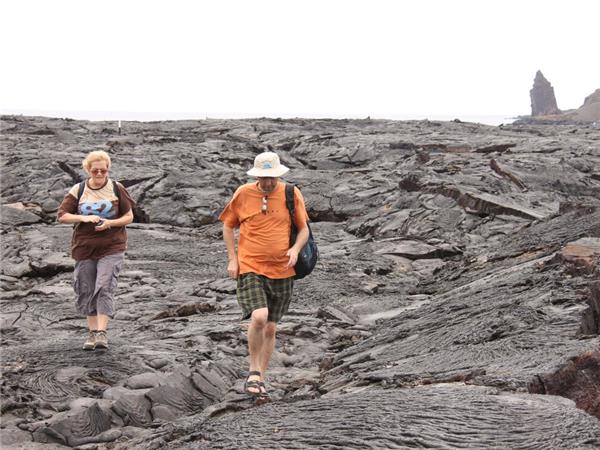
x=264 y=262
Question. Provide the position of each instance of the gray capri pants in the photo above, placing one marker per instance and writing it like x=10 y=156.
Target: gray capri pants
x=95 y=283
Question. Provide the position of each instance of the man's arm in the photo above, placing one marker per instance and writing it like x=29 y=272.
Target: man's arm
x=233 y=267
x=301 y=239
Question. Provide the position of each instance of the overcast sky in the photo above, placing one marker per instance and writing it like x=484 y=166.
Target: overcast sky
x=295 y=58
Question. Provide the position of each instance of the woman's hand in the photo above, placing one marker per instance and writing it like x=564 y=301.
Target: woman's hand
x=102 y=225
x=90 y=219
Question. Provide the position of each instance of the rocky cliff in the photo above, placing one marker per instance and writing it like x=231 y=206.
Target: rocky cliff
x=544 y=109
x=590 y=110
x=543 y=101
x=456 y=302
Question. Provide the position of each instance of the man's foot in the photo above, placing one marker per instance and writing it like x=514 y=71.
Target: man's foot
x=264 y=396
x=101 y=339
x=90 y=342
x=253 y=386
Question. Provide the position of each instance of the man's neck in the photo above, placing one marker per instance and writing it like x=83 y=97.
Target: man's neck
x=262 y=191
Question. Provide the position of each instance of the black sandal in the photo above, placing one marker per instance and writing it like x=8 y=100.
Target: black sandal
x=263 y=396
x=254 y=384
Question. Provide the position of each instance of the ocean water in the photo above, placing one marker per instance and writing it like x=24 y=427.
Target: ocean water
x=484 y=119
x=494 y=120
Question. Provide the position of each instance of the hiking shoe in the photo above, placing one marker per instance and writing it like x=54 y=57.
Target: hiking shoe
x=101 y=339
x=90 y=342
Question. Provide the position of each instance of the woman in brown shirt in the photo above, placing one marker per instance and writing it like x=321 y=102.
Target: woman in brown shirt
x=100 y=209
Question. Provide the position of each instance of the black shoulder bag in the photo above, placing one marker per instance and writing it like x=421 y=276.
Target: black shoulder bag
x=307 y=257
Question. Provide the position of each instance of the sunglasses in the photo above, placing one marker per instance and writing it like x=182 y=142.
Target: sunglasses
x=99 y=171
x=264 y=205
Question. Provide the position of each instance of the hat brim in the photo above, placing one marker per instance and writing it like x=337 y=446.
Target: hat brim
x=275 y=172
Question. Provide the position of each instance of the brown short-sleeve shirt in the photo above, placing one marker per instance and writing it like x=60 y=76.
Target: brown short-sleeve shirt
x=86 y=242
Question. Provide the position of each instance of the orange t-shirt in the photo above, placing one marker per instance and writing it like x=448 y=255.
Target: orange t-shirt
x=264 y=238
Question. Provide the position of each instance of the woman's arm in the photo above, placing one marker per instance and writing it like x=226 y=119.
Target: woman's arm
x=125 y=219
x=76 y=218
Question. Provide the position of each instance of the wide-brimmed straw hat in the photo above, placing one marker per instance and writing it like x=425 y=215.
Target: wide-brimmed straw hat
x=267 y=165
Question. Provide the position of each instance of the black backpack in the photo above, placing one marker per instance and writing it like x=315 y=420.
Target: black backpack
x=307 y=257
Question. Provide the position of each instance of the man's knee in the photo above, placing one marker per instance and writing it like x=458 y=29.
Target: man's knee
x=270 y=329
x=259 y=318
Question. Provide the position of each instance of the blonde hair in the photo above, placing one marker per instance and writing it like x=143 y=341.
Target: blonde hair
x=97 y=155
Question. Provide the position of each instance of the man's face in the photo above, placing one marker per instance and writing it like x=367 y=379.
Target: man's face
x=267 y=184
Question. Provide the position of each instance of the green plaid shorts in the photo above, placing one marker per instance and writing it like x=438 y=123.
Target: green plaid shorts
x=257 y=291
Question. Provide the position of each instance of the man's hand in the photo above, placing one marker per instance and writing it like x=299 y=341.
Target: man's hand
x=292 y=253
x=233 y=268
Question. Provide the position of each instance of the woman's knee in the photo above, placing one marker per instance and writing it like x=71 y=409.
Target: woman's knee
x=84 y=280
x=109 y=268
x=84 y=277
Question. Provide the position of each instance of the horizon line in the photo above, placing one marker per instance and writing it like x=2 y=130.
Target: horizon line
x=153 y=116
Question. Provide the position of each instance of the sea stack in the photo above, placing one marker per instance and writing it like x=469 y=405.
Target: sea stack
x=543 y=101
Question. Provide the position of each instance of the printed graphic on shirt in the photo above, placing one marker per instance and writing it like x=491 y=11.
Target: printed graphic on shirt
x=102 y=208
x=101 y=202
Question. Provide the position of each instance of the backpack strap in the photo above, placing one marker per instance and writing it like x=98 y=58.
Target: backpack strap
x=117 y=192
x=289 y=202
x=80 y=192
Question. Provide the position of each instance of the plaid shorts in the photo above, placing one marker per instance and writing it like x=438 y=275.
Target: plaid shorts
x=257 y=291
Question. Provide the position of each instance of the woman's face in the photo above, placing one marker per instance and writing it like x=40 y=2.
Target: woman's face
x=99 y=172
